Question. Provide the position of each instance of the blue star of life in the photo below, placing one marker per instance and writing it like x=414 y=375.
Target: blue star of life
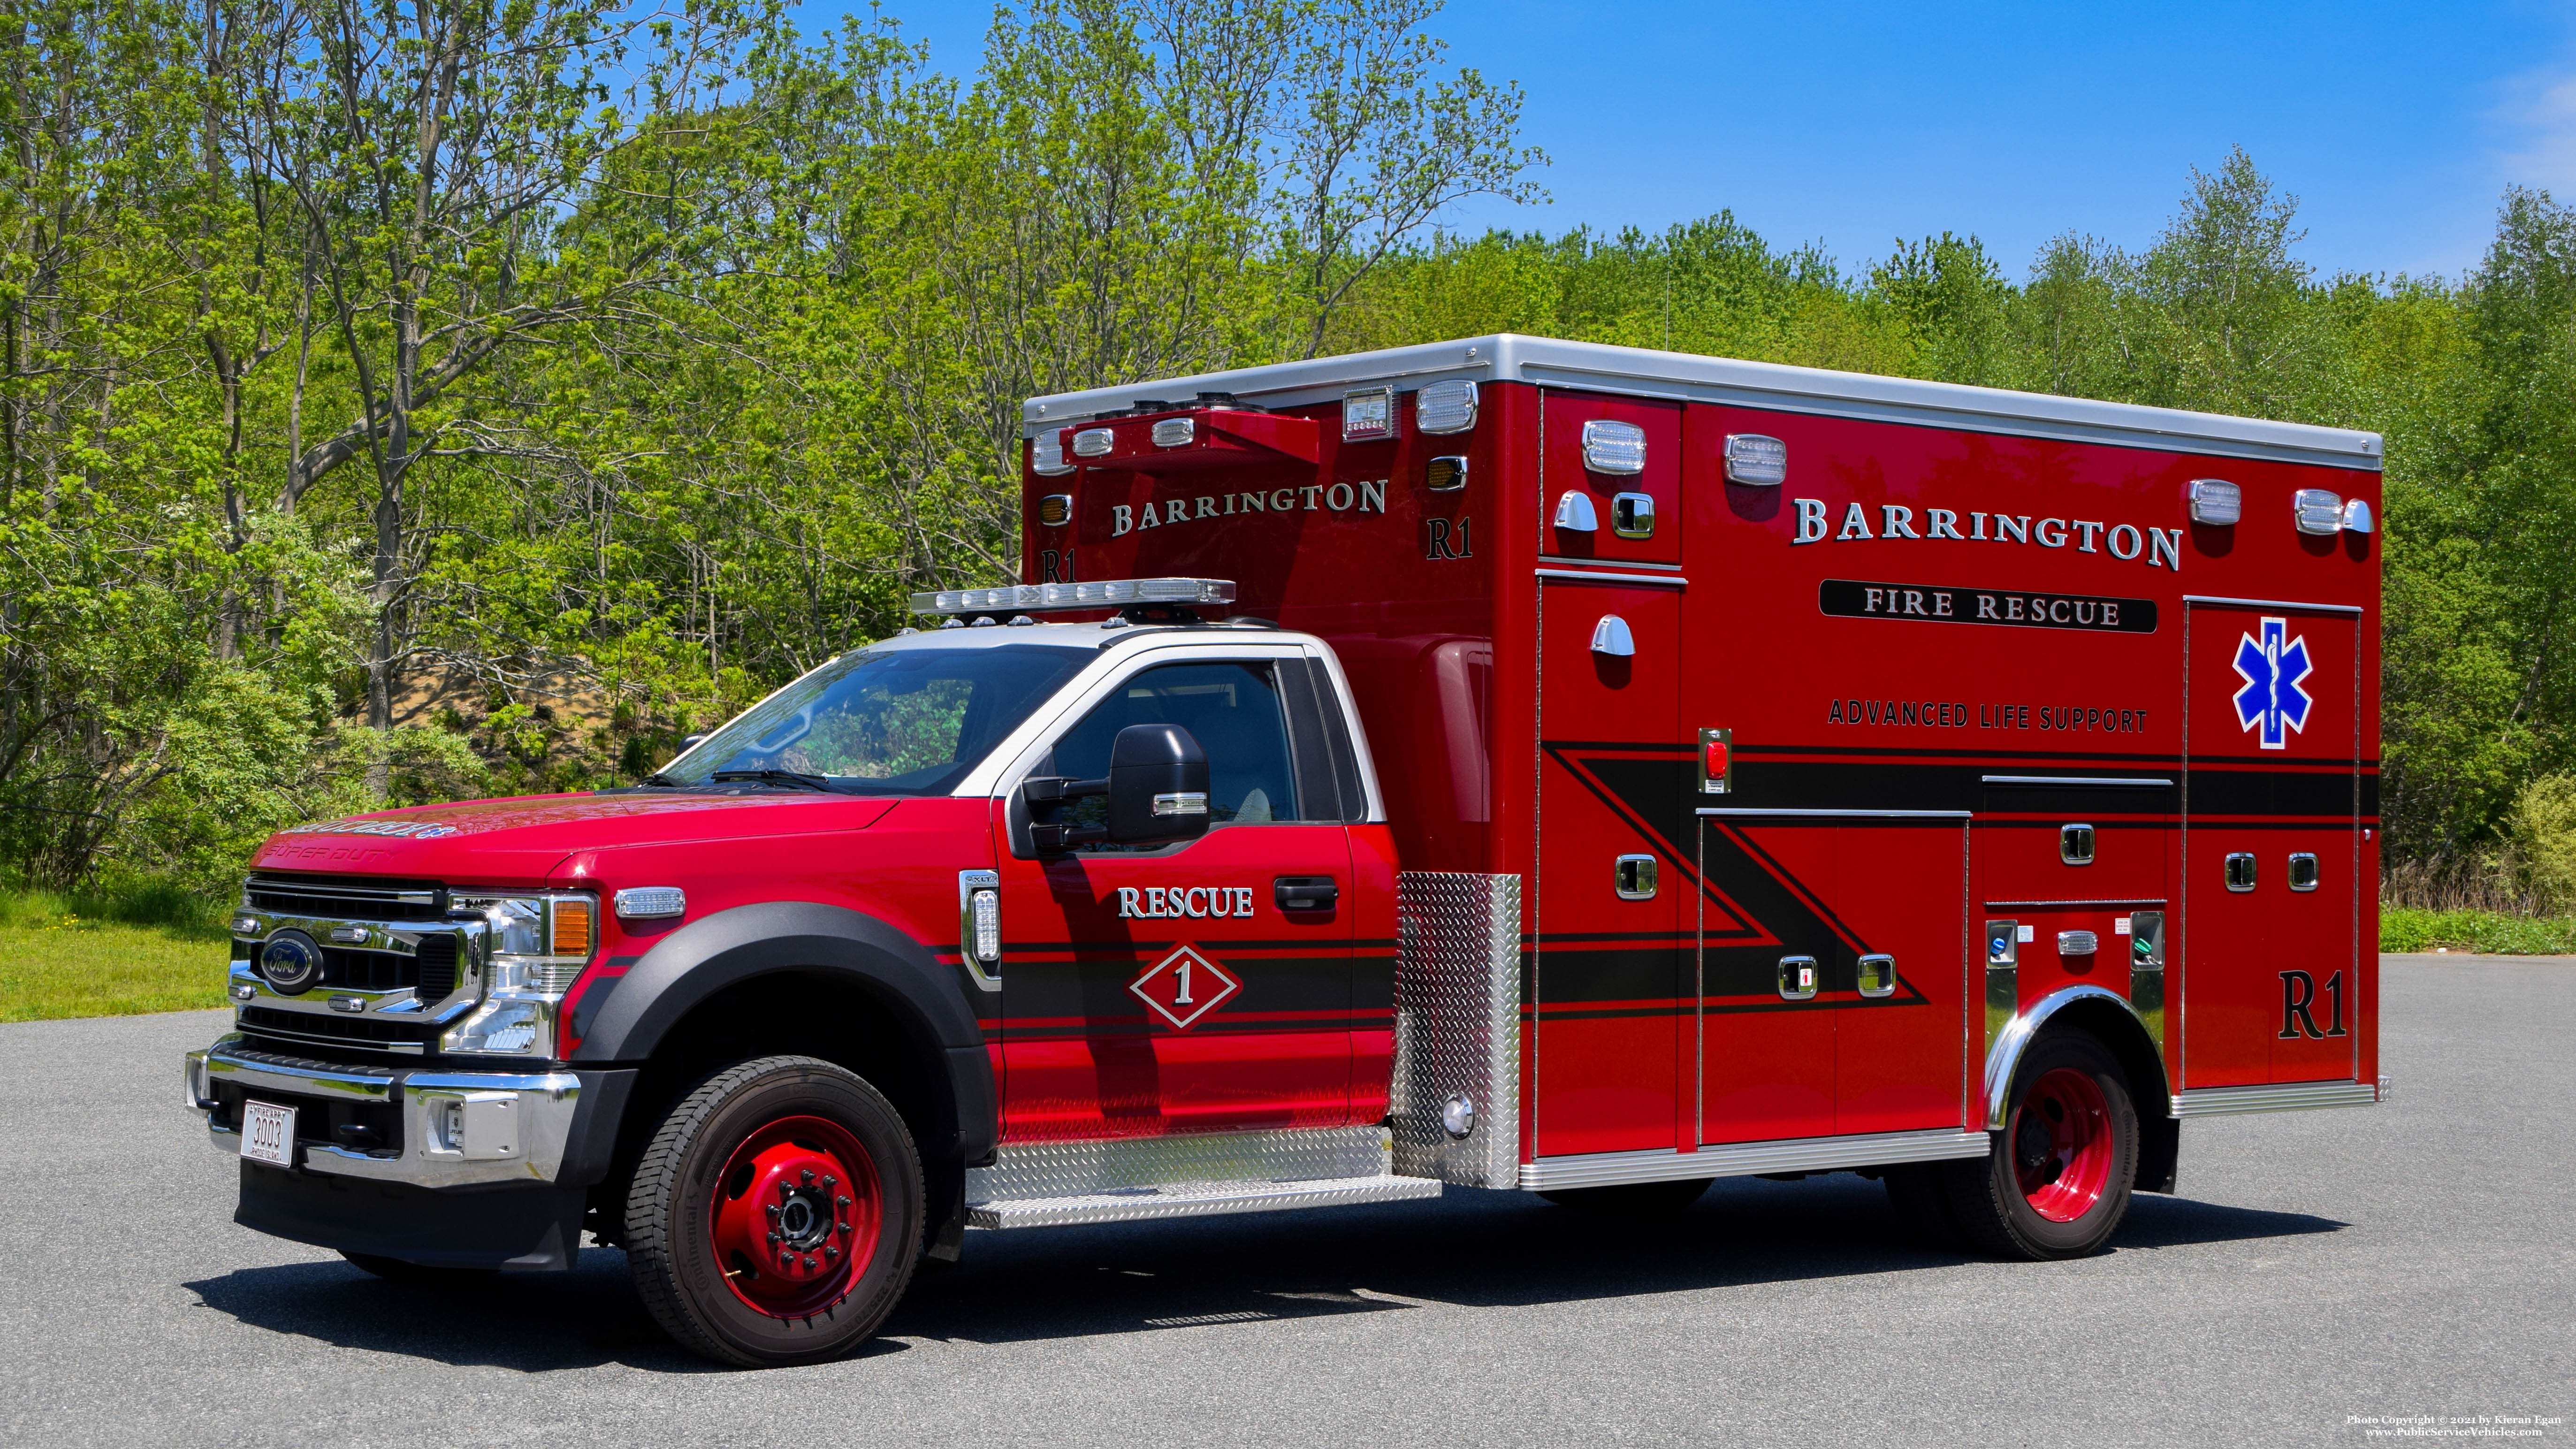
x=2274 y=668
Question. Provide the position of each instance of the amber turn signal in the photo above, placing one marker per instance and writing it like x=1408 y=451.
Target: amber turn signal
x=572 y=928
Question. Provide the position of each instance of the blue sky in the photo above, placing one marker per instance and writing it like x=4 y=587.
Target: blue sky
x=2397 y=126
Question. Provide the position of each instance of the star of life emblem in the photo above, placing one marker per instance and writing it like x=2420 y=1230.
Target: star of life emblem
x=1183 y=987
x=2275 y=668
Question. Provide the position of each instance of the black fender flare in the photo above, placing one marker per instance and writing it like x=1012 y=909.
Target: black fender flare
x=693 y=963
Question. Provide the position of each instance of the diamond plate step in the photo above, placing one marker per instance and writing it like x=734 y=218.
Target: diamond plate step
x=1195 y=1200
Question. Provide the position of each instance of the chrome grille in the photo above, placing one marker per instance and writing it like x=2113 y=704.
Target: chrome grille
x=436 y=964
x=356 y=897
x=360 y=1031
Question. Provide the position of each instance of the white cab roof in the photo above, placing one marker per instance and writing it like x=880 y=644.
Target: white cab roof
x=1644 y=372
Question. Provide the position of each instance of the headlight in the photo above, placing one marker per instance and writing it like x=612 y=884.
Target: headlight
x=539 y=945
x=513 y=1028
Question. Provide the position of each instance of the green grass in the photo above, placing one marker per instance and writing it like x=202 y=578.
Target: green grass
x=116 y=951
x=2404 y=929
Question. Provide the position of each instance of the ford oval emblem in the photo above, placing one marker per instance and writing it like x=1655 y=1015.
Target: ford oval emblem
x=291 y=963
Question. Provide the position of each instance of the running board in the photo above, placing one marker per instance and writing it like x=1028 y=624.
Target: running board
x=2277 y=1097
x=1184 y=1175
x=1195 y=1200
x=1748 y=1159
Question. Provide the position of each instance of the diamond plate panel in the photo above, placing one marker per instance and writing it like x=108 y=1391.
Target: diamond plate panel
x=1458 y=1025
x=1195 y=1200
x=1030 y=1171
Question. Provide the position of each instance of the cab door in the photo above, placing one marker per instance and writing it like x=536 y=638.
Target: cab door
x=1192 y=988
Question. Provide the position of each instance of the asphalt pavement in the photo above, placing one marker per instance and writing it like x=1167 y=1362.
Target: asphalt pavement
x=2413 y=1262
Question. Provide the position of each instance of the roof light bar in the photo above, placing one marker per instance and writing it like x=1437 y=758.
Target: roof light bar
x=1105 y=594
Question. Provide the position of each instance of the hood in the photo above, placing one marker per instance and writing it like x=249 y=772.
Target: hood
x=522 y=840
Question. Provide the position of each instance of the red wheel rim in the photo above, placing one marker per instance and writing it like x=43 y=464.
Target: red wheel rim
x=2061 y=1145
x=795 y=1217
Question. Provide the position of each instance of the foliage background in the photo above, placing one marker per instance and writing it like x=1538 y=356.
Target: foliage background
x=478 y=395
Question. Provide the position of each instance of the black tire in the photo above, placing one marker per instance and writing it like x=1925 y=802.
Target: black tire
x=397 y=1270
x=672 y=1213
x=1921 y=1201
x=1632 y=1199
x=1986 y=1199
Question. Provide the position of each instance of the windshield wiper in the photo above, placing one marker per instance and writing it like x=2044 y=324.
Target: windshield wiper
x=665 y=781
x=775 y=777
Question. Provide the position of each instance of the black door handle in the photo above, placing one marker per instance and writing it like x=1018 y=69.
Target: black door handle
x=1305 y=892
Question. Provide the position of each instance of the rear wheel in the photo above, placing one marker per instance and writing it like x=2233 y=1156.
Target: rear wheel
x=2056 y=1182
x=1632 y=1199
x=776 y=1214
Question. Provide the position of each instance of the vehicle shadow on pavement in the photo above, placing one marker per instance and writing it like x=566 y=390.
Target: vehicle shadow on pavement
x=1470 y=1249
x=535 y=1323
x=1467 y=1249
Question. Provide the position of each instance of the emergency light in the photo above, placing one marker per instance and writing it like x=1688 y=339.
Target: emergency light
x=1104 y=594
x=1445 y=407
x=1046 y=454
x=2318 y=511
x=2216 y=501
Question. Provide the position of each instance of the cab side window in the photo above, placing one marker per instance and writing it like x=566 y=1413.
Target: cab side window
x=1232 y=709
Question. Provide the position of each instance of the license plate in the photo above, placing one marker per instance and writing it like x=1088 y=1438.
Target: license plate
x=268 y=1134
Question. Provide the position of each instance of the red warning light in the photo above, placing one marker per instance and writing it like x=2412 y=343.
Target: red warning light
x=1716 y=753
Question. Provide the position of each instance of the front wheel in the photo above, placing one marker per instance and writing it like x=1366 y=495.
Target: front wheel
x=776 y=1214
x=2056 y=1182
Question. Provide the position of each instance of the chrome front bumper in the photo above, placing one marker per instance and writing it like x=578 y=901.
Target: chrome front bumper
x=458 y=1128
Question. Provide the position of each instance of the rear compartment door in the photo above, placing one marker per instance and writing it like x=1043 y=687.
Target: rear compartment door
x=1606 y=987
x=2269 y=949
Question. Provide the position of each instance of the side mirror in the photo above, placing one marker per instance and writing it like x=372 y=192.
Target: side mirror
x=1158 y=786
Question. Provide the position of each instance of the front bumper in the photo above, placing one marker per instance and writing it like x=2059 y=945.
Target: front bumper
x=457 y=1128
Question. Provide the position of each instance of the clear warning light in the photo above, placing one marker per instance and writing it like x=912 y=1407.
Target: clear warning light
x=1756 y=460
x=2216 y=501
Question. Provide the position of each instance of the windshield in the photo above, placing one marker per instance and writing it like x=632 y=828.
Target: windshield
x=883 y=722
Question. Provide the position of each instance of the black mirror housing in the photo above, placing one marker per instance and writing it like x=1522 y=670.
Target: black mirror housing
x=1158 y=786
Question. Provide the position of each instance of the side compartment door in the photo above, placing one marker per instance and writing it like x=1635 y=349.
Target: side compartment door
x=1605 y=1065
x=2270 y=965
x=1833 y=990
x=1197 y=988
x=2066 y=860
x=1900 y=1026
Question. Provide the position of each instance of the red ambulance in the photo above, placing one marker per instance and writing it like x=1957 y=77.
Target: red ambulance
x=1510 y=763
